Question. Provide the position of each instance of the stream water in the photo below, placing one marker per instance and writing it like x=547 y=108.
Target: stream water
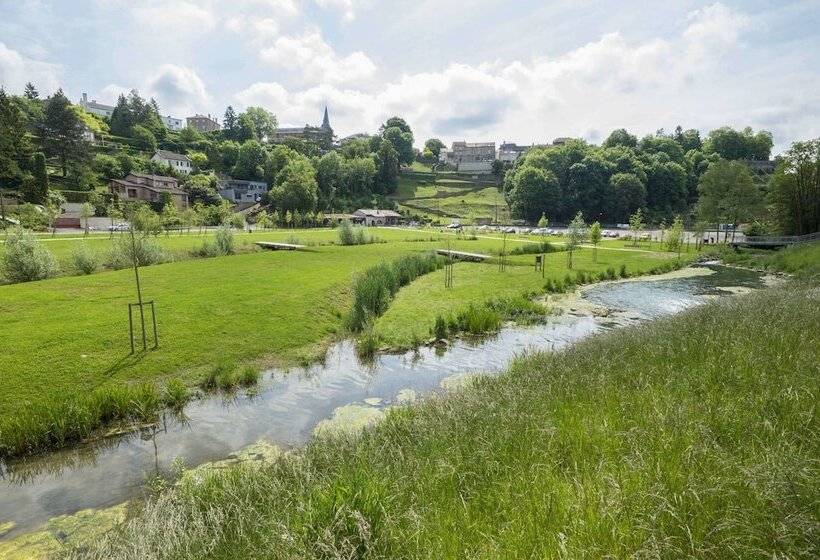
x=289 y=404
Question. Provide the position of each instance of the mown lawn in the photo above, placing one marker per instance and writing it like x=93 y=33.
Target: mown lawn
x=693 y=436
x=69 y=335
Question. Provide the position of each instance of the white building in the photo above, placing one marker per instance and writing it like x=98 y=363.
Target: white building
x=509 y=152
x=239 y=191
x=95 y=108
x=471 y=157
x=178 y=162
x=173 y=123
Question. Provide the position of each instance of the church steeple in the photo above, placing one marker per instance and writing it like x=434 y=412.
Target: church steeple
x=326 y=120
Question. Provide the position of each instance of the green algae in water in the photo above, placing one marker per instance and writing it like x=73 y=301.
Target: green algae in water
x=349 y=419
x=62 y=532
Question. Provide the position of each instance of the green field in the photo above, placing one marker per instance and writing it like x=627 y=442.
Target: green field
x=444 y=197
x=69 y=335
x=693 y=436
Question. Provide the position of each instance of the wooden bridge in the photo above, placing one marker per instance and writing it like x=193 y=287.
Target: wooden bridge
x=461 y=255
x=772 y=241
x=279 y=246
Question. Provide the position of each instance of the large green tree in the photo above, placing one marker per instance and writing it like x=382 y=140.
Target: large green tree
x=62 y=133
x=795 y=189
x=533 y=192
x=729 y=143
x=15 y=148
x=728 y=194
x=250 y=162
x=264 y=122
x=296 y=188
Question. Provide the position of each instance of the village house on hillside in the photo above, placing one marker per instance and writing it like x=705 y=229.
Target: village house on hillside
x=509 y=152
x=172 y=123
x=470 y=157
x=374 y=217
x=95 y=108
x=322 y=134
x=178 y=162
x=203 y=123
x=148 y=188
x=240 y=191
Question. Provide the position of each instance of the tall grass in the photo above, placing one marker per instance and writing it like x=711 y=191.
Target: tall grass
x=66 y=421
x=694 y=436
x=374 y=288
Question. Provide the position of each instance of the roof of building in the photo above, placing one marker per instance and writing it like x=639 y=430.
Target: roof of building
x=376 y=213
x=163 y=178
x=154 y=188
x=96 y=105
x=165 y=154
x=198 y=116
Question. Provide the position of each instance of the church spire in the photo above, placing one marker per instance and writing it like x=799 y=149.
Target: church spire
x=326 y=120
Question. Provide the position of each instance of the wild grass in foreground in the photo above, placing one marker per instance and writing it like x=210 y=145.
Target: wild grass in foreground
x=693 y=436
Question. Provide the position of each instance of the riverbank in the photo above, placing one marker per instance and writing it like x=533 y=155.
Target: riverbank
x=692 y=435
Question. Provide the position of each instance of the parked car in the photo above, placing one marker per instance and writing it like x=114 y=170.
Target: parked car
x=454 y=225
x=508 y=230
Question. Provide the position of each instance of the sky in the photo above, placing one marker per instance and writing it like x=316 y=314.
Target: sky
x=526 y=71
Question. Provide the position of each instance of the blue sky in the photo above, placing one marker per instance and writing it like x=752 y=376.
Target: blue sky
x=525 y=71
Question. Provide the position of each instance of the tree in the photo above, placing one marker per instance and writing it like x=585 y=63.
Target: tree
x=15 y=149
x=795 y=189
x=296 y=188
x=435 y=146
x=628 y=195
x=397 y=132
x=688 y=139
x=620 y=137
x=543 y=222
x=357 y=176
x=636 y=226
x=169 y=217
x=37 y=189
x=250 y=162
x=245 y=129
x=53 y=208
x=262 y=219
x=31 y=92
x=576 y=234
x=229 y=122
x=86 y=211
x=728 y=193
x=731 y=144
x=62 y=133
x=674 y=235
x=387 y=172
x=144 y=137
x=595 y=238
x=534 y=192
x=264 y=122
x=329 y=175
x=666 y=191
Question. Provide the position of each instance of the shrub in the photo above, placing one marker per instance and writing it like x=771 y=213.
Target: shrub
x=176 y=394
x=610 y=273
x=85 y=261
x=478 y=320
x=440 y=328
x=146 y=250
x=345 y=232
x=362 y=237
x=534 y=248
x=373 y=289
x=518 y=308
x=224 y=241
x=248 y=376
x=623 y=273
x=25 y=259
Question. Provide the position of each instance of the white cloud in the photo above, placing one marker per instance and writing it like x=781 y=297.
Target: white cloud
x=179 y=90
x=347 y=7
x=608 y=83
x=316 y=62
x=17 y=69
x=174 y=18
x=713 y=28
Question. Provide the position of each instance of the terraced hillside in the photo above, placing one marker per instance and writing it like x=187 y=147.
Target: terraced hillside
x=443 y=197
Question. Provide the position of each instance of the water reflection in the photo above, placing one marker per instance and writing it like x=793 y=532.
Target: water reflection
x=289 y=404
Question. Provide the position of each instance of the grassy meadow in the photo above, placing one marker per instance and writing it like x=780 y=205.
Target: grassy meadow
x=693 y=436
x=68 y=336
